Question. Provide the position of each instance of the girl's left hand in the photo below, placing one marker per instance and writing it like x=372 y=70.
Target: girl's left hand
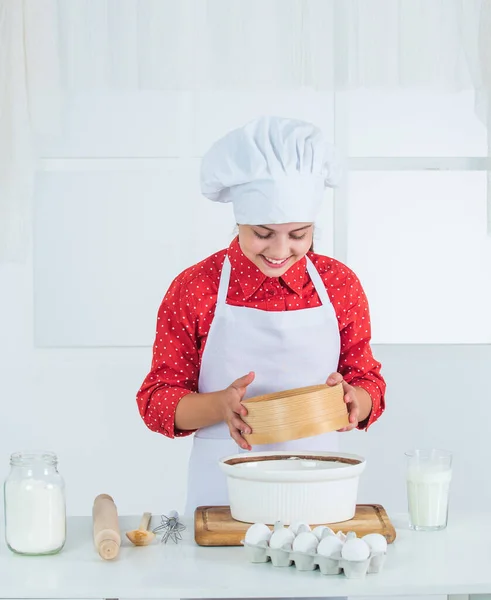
x=350 y=398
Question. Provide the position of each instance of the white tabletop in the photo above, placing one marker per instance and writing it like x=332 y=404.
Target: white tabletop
x=454 y=561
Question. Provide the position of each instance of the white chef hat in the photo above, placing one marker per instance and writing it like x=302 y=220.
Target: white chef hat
x=273 y=170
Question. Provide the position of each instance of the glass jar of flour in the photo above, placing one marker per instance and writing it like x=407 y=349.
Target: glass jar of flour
x=35 y=513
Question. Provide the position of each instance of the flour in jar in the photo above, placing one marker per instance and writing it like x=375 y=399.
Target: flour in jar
x=35 y=522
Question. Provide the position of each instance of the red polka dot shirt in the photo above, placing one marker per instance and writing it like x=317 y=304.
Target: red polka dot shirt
x=187 y=310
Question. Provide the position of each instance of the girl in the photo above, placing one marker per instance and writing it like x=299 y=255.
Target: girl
x=263 y=315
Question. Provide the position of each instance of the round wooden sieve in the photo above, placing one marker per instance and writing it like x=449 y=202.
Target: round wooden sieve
x=295 y=414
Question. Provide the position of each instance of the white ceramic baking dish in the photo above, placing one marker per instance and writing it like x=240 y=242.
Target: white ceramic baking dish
x=314 y=487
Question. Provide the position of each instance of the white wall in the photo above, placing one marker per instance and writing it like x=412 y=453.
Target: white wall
x=436 y=396
x=118 y=214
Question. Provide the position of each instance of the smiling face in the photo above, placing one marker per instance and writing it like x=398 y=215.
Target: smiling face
x=275 y=248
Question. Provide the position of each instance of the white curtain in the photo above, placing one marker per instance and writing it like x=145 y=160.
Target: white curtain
x=29 y=103
x=221 y=44
x=269 y=44
x=482 y=83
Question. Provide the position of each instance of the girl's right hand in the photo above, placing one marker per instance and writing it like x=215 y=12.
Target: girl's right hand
x=233 y=409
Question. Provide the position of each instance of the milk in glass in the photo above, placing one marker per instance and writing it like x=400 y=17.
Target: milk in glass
x=428 y=477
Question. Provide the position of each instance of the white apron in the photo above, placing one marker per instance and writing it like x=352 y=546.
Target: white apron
x=285 y=349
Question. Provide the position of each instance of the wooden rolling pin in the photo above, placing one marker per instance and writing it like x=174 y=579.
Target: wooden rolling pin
x=107 y=537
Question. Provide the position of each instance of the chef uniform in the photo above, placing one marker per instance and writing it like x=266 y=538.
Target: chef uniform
x=273 y=171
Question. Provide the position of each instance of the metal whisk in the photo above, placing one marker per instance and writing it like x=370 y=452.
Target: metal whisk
x=170 y=527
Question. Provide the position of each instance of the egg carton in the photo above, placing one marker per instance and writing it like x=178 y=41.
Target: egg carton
x=310 y=561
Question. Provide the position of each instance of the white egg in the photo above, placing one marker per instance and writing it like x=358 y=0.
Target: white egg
x=278 y=525
x=321 y=531
x=330 y=545
x=281 y=538
x=341 y=536
x=257 y=534
x=355 y=549
x=299 y=526
x=376 y=541
x=305 y=542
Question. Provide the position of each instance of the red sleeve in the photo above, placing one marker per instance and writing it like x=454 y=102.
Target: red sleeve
x=357 y=364
x=175 y=364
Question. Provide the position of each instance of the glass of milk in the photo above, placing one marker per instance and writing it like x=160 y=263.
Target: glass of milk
x=428 y=476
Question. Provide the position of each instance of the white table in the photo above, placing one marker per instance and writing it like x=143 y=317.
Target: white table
x=453 y=562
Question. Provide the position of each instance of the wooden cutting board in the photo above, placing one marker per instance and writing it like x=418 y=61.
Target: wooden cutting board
x=214 y=526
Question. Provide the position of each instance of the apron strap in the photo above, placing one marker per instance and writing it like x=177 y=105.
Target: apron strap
x=320 y=288
x=224 y=282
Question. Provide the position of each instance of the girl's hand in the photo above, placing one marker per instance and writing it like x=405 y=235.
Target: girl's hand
x=350 y=398
x=232 y=409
